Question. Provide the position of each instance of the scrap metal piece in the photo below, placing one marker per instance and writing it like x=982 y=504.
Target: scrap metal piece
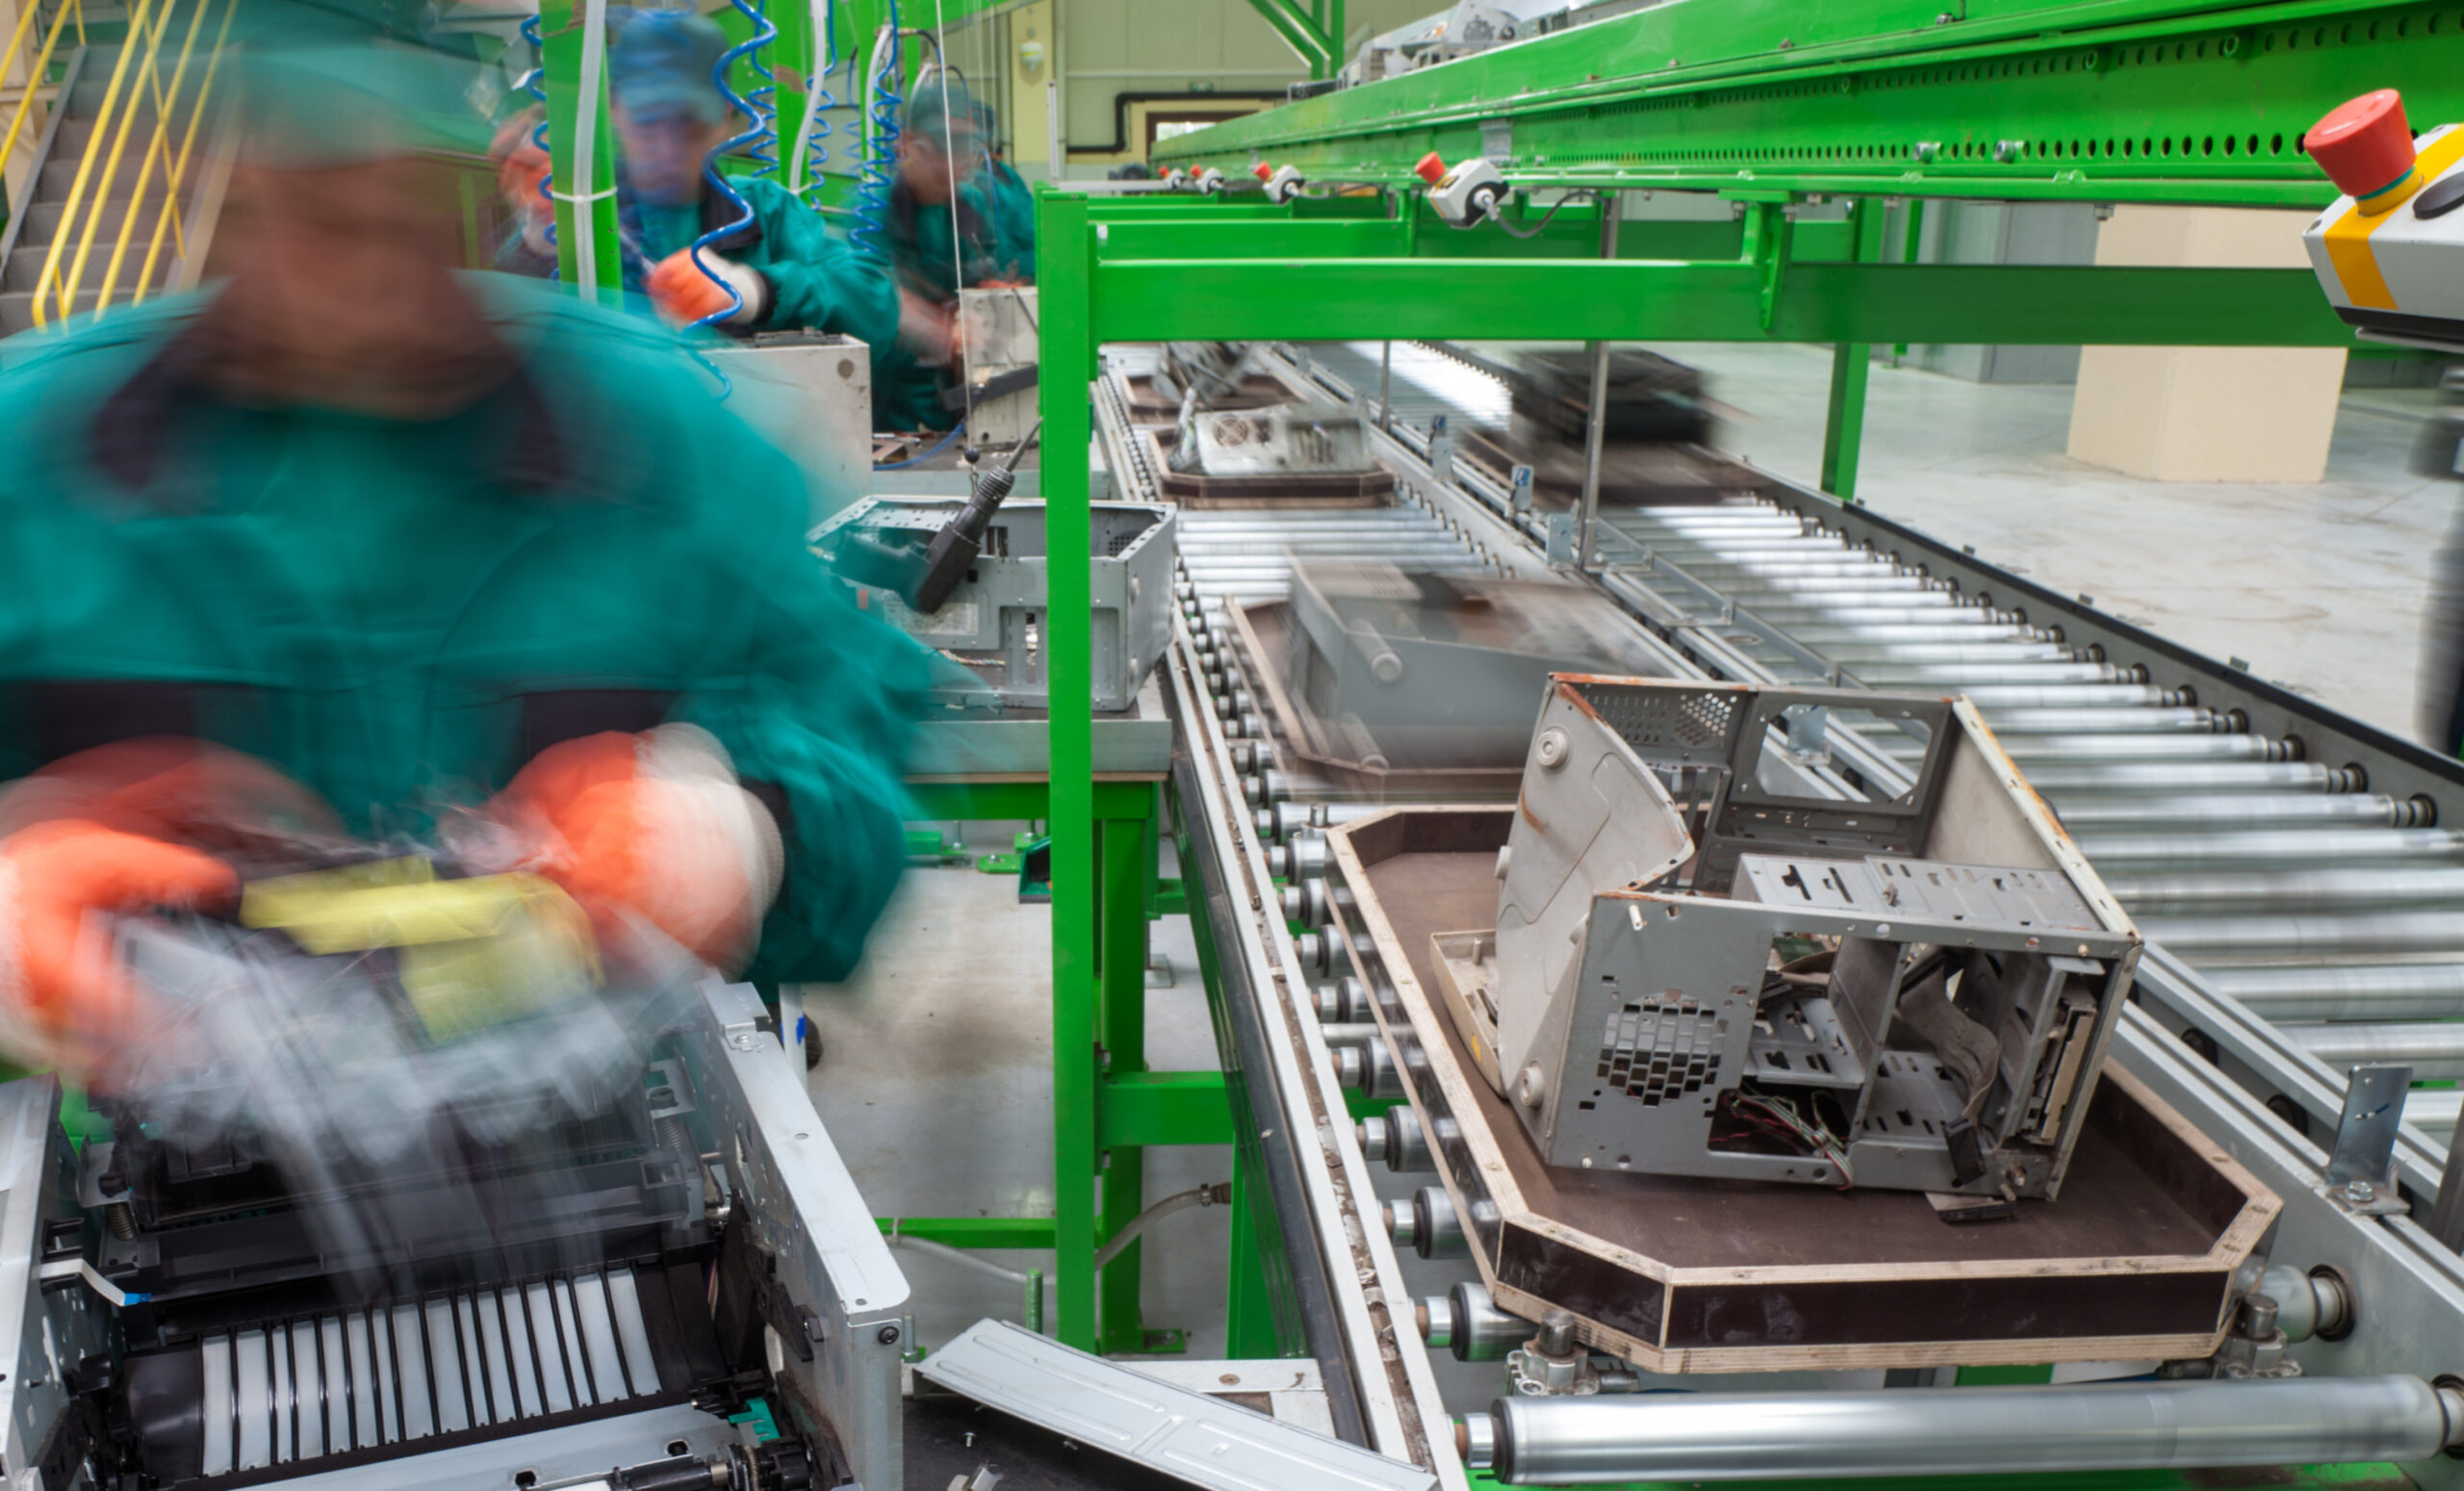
x=1188 y=1436
x=2361 y=1169
x=1906 y=986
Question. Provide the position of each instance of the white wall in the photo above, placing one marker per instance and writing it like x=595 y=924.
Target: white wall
x=1184 y=48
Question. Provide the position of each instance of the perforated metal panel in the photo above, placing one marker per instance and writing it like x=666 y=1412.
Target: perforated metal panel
x=1654 y=1052
x=1665 y=718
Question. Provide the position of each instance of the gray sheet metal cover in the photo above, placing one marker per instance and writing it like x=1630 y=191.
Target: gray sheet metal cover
x=1196 y=1438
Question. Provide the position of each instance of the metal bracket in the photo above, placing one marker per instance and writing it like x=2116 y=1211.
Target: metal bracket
x=2361 y=1169
x=1187 y=1436
x=1770 y=236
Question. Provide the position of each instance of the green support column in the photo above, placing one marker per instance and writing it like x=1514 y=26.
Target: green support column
x=581 y=156
x=1844 y=434
x=1121 y=952
x=1249 y=1304
x=1069 y=349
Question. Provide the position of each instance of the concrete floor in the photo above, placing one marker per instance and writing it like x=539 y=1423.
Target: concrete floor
x=937 y=1087
x=2319 y=586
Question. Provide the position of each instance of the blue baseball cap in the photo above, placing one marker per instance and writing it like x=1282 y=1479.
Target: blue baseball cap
x=660 y=64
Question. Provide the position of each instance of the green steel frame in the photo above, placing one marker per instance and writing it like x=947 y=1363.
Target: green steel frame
x=1313 y=31
x=1774 y=105
x=2095 y=101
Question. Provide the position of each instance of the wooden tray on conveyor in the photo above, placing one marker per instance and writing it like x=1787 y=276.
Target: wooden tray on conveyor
x=1683 y=1274
x=1203 y=494
x=1147 y=406
x=1662 y=473
x=1263 y=628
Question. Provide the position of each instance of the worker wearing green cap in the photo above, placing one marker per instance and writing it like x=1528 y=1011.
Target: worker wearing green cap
x=939 y=227
x=436 y=547
x=1008 y=201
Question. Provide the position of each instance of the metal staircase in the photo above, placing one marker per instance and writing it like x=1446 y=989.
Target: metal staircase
x=111 y=210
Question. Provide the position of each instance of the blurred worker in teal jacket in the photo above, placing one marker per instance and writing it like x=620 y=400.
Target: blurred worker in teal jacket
x=438 y=549
x=940 y=231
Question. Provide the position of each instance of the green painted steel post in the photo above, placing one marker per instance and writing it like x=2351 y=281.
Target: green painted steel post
x=1121 y=953
x=1067 y=264
x=573 y=37
x=1910 y=247
x=1248 y=1305
x=1851 y=364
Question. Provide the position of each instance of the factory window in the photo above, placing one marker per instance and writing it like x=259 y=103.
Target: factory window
x=1178 y=122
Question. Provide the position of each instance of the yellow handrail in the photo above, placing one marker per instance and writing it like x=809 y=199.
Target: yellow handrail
x=152 y=42
x=158 y=148
x=40 y=64
x=180 y=169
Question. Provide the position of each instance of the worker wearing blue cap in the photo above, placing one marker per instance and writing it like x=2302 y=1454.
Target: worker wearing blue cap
x=783 y=267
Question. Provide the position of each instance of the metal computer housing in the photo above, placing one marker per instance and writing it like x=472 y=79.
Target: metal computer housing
x=1670 y=835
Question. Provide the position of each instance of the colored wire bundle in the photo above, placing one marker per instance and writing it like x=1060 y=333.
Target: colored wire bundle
x=1777 y=1119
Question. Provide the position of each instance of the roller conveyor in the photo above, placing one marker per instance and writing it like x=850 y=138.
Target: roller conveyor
x=2255 y=835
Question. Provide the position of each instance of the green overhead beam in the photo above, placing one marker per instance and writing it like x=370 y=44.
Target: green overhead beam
x=2100 y=100
x=1622 y=300
x=1169 y=239
x=1314 y=32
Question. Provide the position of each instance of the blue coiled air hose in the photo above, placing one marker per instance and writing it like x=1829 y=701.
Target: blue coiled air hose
x=763 y=101
x=881 y=172
x=535 y=84
x=762 y=33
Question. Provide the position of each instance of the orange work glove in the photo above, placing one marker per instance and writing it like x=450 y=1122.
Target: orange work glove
x=651 y=827
x=65 y=1001
x=683 y=294
x=170 y=788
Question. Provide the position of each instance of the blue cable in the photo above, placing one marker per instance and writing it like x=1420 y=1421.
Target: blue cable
x=927 y=455
x=764 y=152
x=534 y=83
x=880 y=172
x=762 y=33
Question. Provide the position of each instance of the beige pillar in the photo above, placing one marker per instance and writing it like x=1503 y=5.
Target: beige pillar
x=2206 y=413
x=1032 y=38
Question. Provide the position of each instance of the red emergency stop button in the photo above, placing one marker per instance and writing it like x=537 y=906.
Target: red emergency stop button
x=2365 y=147
x=1430 y=169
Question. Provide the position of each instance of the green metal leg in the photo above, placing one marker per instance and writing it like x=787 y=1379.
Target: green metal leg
x=1249 y=1312
x=1069 y=349
x=1121 y=971
x=1911 y=246
x=1851 y=362
x=1844 y=434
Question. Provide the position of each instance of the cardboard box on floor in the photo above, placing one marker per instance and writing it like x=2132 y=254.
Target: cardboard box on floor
x=2206 y=413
